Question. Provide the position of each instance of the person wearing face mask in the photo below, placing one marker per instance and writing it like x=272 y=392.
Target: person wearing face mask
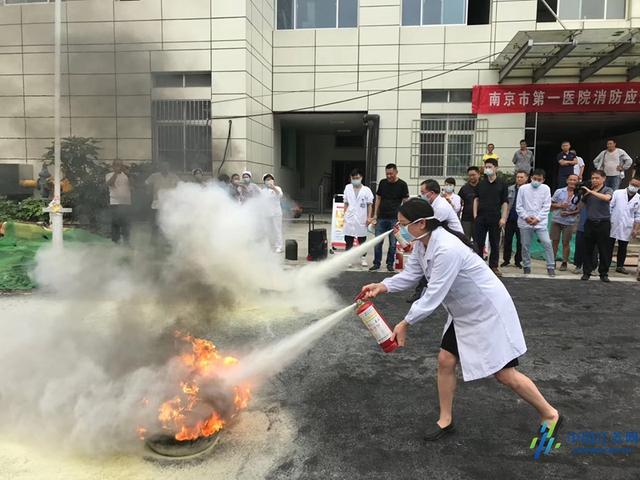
x=625 y=221
x=533 y=205
x=251 y=190
x=443 y=211
x=272 y=195
x=358 y=202
x=450 y=196
x=490 y=210
x=597 y=228
x=482 y=334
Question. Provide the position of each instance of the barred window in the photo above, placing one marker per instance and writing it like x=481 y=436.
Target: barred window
x=446 y=145
x=182 y=134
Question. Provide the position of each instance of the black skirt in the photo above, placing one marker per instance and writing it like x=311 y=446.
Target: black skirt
x=450 y=344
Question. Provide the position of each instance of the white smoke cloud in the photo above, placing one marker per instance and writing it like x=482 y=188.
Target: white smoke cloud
x=79 y=358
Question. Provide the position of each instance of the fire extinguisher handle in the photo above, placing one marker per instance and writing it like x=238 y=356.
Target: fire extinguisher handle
x=360 y=296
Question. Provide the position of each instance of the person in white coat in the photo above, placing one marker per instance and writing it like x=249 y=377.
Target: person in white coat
x=358 y=201
x=625 y=220
x=532 y=206
x=450 y=196
x=482 y=332
x=272 y=195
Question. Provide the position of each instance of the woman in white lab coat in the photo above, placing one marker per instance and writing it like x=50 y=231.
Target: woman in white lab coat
x=487 y=338
x=358 y=200
x=625 y=220
x=273 y=195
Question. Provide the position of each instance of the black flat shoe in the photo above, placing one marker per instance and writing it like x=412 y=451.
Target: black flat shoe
x=437 y=433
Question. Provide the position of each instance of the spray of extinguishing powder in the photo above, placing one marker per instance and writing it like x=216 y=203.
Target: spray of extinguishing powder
x=271 y=359
x=325 y=270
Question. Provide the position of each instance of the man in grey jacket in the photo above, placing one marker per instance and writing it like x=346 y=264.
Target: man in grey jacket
x=614 y=161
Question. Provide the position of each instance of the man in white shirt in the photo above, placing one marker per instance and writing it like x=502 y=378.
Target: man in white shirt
x=532 y=206
x=119 y=202
x=358 y=201
x=579 y=168
x=160 y=181
x=614 y=161
x=442 y=209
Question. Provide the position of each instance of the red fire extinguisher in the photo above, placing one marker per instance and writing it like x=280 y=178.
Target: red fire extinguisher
x=376 y=324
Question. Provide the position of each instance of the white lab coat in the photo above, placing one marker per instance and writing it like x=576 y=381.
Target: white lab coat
x=533 y=202
x=444 y=212
x=624 y=213
x=355 y=220
x=487 y=326
x=273 y=216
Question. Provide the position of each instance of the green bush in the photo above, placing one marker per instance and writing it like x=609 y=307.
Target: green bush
x=29 y=210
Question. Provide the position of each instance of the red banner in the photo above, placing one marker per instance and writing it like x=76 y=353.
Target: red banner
x=557 y=97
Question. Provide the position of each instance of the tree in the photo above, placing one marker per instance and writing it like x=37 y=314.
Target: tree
x=79 y=160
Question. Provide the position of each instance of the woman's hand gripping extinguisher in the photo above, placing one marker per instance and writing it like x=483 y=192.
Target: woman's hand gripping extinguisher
x=376 y=324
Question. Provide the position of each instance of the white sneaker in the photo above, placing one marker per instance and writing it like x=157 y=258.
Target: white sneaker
x=278 y=250
x=364 y=263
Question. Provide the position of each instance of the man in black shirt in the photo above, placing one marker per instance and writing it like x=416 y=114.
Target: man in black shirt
x=598 y=226
x=468 y=193
x=566 y=161
x=391 y=193
x=490 y=210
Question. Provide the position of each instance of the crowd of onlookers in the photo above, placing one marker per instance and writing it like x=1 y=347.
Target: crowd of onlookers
x=240 y=187
x=596 y=211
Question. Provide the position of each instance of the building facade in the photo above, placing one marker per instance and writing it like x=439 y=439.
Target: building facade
x=282 y=85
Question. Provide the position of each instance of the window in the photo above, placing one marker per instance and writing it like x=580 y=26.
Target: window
x=446 y=145
x=291 y=14
x=445 y=12
x=582 y=10
x=182 y=134
x=182 y=79
x=446 y=96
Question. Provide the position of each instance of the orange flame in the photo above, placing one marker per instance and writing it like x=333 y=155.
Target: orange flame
x=176 y=414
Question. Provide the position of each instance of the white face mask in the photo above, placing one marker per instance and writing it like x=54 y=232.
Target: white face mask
x=448 y=188
x=632 y=189
x=489 y=172
x=406 y=235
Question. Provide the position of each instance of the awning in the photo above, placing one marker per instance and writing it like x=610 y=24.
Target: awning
x=538 y=54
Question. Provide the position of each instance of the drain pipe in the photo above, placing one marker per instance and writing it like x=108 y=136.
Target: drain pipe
x=372 y=123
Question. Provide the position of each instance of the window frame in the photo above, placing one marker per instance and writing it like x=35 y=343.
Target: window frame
x=578 y=19
x=421 y=24
x=447 y=132
x=295 y=18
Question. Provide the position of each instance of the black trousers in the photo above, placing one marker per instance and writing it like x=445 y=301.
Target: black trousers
x=484 y=226
x=596 y=236
x=349 y=241
x=578 y=256
x=120 y=222
x=622 y=251
x=511 y=229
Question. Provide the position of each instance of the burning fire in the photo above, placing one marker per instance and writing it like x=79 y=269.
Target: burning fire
x=183 y=414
